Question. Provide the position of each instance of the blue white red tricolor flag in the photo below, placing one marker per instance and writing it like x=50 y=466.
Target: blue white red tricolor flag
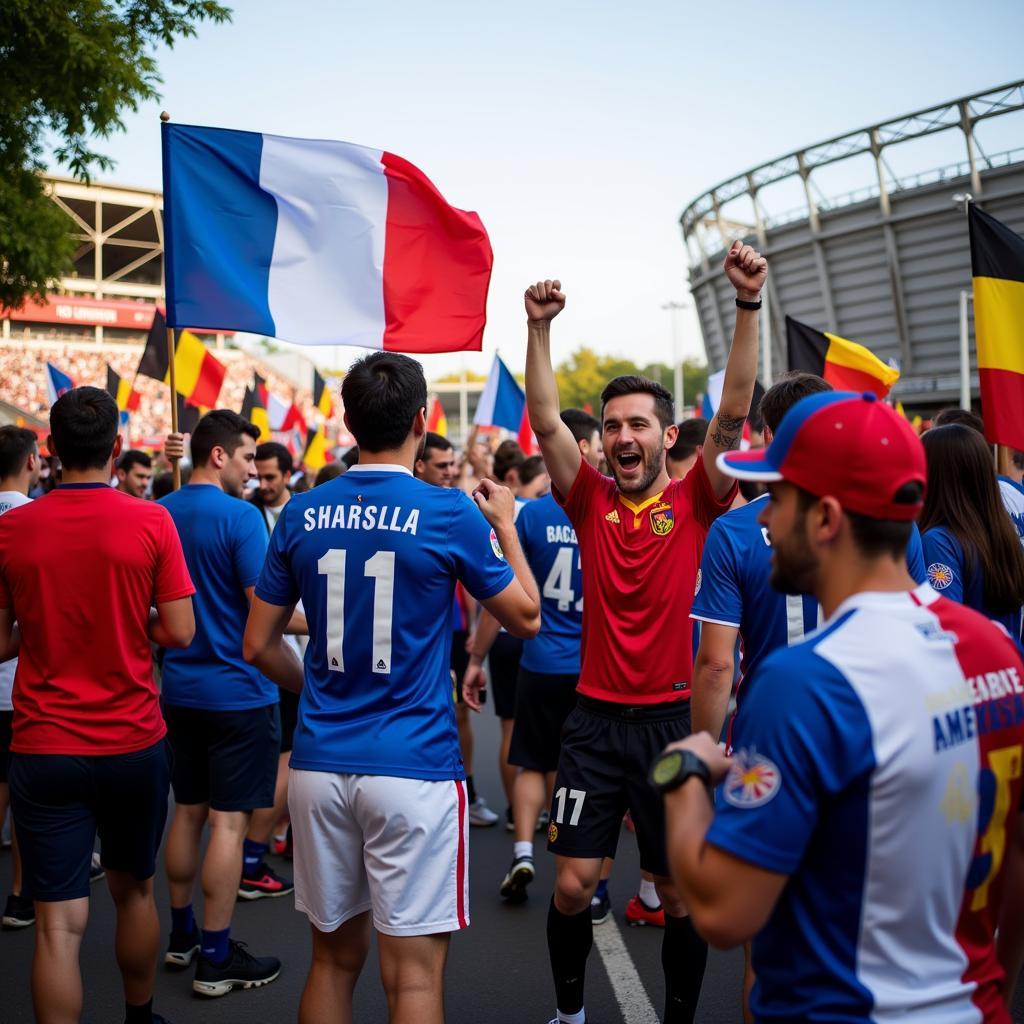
x=503 y=404
x=57 y=382
x=318 y=243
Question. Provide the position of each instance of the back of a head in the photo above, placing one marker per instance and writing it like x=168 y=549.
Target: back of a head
x=163 y=483
x=963 y=496
x=16 y=445
x=530 y=469
x=382 y=394
x=631 y=384
x=581 y=423
x=691 y=436
x=786 y=392
x=132 y=458
x=83 y=424
x=435 y=442
x=963 y=417
x=276 y=450
x=508 y=456
x=221 y=428
x=329 y=472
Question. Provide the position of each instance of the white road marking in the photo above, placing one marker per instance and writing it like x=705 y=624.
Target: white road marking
x=626 y=984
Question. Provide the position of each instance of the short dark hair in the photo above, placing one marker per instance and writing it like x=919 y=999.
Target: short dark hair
x=877 y=537
x=962 y=417
x=83 y=423
x=276 y=450
x=786 y=392
x=435 y=442
x=508 y=456
x=329 y=472
x=531 y=468
x=133 y=457
x=16 y=445
x=163 y=483
x=631 y=384
x=382 y=393
x=692 y=434
x=581 y=423
x=221 y=428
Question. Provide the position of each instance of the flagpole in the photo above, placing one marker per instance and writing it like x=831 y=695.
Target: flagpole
x=176 y=465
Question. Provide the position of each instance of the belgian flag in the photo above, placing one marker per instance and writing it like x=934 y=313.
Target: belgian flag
x=254 y=406
x=997 y=266
x=121 y=391
x=437 y=421
x=846 y=365
x=188 y=415
x=198 y=375
x=322 y=395
x=314 y=457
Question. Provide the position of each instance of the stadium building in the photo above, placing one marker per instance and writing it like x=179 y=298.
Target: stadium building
x=866 y=235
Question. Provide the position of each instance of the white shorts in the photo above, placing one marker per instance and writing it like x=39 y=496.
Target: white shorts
x=396 y=846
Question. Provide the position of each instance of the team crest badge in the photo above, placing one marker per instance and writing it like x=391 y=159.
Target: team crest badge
x=496 y=547
x=552 y=832
x=613 y=516
x=939 y=576
x=661 y=520
x=752 y=780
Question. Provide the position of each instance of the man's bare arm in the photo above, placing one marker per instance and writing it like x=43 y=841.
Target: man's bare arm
x=712 y=677
x=747 y=271
x=265 y=647
x=544 y=301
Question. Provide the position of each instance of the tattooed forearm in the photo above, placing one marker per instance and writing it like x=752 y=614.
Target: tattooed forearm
x=727 y=432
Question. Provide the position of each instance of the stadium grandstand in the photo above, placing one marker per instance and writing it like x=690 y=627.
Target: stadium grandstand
x=867 y=238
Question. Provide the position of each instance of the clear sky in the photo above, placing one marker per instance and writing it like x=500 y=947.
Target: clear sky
x=578 y=130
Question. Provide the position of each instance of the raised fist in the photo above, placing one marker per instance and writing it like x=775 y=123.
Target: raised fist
x=544 y=301
x=746 y=269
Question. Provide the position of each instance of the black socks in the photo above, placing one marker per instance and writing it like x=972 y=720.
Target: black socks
x=684 y=956
x=569 y=942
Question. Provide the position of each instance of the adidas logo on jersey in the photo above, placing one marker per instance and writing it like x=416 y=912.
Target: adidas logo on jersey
x=613 y=516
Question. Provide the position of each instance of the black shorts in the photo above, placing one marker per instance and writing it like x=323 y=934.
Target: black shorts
x=459 y=661
x=6 y=718
x=504 y=664
x=61 y=801
x=543 y=702
x=289 y=709
x=227 y=759
x=607 y=750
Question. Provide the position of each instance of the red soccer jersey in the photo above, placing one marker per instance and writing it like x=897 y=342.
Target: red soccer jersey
x=640 y=567
x=81 y=568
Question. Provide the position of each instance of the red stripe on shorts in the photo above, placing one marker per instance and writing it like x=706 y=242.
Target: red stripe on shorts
x=460 y=874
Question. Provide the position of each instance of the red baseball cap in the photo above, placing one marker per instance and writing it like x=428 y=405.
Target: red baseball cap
x=849 y=446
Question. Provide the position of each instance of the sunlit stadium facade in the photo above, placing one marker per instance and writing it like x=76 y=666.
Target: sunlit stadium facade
x=884 y=261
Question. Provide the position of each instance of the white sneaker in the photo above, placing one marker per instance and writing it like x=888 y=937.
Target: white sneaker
x=480 y=814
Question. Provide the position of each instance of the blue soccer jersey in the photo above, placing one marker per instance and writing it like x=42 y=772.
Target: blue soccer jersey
x=878 y=763
x=375 y=556
x=734 y=588
x=225 y=541
x=549 y=542
x=948 y=573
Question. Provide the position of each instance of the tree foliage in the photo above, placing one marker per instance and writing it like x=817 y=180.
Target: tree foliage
x=69 y=70
x=582 y=377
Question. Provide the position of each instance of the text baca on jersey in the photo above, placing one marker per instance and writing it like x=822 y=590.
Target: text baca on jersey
x=362 y=517
x=561 y=534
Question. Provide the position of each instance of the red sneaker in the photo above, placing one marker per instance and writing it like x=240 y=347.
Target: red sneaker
x=627 y=821
x=263 y=883
x=638 y=913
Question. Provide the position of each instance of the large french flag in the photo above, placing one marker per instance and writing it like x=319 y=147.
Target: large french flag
x=317 y=243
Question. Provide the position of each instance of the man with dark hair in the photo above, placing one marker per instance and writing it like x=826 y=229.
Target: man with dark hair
x=436 y=463
x=508 y=457
x=875 y=770
x=640 y=536
x=222 y=715
x=376 y=792
x=274 y=467
x=329 y=472
x=80 y=569
x=680 y=458
x=534 y=481
x=134 y=471
x=19 y=473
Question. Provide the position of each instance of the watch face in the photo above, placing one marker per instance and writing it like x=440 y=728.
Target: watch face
x=667 y=767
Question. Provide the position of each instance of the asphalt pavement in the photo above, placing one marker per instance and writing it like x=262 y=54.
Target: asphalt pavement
x=497 y=971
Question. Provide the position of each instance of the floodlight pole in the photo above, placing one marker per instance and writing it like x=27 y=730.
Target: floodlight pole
x=965 y=352
x=677 y=358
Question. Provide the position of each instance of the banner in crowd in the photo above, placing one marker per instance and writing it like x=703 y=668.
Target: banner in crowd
x=254 y=406
x=314 y=457
x=198 y=375
x=57 y=382
x=322 y=395
x=318 y=243
x=437 y=421
x=846 y=365
x=997 y=268
x=502 y=400
x=121 y=391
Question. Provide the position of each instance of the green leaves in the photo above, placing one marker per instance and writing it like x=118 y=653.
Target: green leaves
x=68 y=71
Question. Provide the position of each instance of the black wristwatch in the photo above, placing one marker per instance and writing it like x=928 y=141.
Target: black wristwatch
x=671 y=769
